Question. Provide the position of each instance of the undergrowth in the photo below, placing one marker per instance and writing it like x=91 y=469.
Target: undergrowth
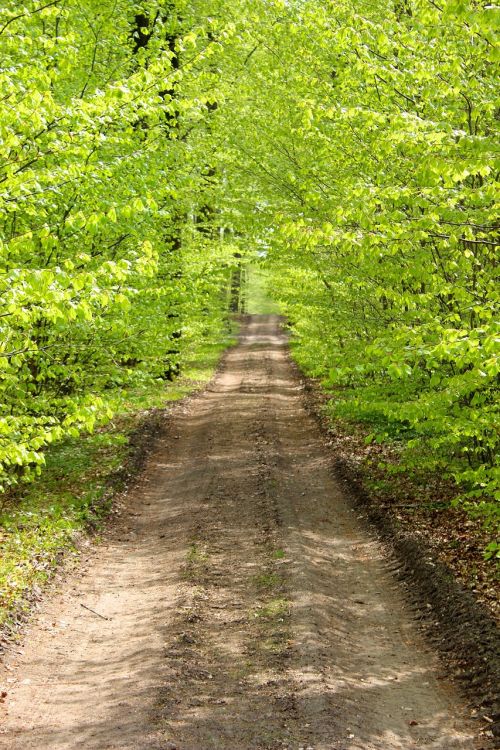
x=42 y=522
x=424 y=502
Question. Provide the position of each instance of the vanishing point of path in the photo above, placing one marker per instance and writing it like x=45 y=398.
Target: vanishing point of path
x=239 y=603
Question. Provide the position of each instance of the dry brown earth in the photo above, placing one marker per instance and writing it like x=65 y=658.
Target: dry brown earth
x=239 y=603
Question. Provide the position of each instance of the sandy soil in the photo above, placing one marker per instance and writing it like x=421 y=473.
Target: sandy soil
x=239 y=603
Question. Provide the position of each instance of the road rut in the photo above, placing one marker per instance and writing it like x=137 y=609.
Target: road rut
x=247 y=606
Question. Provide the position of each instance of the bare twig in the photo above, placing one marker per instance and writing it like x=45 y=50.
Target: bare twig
x=94 y=612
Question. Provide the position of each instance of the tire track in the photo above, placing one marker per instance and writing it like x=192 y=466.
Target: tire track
x=249 y=607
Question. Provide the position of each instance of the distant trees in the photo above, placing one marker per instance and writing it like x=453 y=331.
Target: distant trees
x=366 y=136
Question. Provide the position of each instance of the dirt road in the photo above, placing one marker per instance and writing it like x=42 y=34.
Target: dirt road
x=246 y=606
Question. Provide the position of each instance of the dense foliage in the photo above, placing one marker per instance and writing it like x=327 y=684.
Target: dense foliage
x=108 y=272
x=371 y=152
x=144 y=145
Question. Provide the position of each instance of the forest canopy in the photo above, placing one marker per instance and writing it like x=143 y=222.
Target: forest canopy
x=148 y=148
